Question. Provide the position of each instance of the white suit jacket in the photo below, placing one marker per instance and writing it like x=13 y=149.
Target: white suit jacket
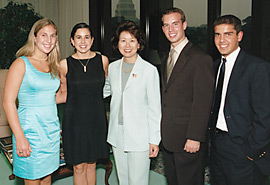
x=141 y=105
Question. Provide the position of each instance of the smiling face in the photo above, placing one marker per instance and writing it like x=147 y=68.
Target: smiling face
x=128 y=46
x=45 y=40
x=82 y=40
x=173 y=28
x=226 y=39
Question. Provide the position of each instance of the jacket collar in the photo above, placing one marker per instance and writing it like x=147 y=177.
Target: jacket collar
x=178 y=67
x=134 y=74
x=237 y=71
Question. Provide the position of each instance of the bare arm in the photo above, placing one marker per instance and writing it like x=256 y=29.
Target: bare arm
x=105 y=62
x=12 y=85
x=61 y=94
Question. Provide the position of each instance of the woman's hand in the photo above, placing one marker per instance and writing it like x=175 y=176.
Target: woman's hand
x=23 y=147
x=153 y=150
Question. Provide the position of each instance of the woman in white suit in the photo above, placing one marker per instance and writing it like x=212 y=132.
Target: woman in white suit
x=135 y=110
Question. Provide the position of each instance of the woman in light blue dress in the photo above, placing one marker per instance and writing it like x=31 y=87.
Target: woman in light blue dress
x=33 y=78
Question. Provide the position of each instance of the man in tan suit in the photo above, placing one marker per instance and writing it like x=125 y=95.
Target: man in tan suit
x=187 y=86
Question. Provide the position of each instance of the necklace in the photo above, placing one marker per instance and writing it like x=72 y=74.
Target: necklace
x=39 y=58
x=84 y=66
x=126 y=70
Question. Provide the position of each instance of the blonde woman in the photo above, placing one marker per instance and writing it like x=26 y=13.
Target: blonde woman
x=33 y=78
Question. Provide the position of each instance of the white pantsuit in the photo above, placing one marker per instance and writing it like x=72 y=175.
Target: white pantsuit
x=132 y=167
x=141 y=119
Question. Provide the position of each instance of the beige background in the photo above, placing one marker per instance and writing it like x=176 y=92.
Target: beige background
x=64 y=13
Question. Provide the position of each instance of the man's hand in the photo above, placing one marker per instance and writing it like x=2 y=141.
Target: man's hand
x=192 y=146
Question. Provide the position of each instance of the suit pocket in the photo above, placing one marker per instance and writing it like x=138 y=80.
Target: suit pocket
x=180 y=120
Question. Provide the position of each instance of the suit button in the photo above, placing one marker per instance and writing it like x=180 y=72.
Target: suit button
x=164 y=105
x=166 y=91
x=211 y=112
x=228 y=117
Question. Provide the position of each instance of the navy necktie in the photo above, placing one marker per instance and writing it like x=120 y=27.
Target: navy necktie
x=218 y=92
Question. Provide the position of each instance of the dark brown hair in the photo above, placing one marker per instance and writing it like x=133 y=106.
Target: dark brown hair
x=79 y=26
x=229 y=19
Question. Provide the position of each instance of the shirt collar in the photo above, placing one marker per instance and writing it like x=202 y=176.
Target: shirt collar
x=232 y=57
x=180 y=46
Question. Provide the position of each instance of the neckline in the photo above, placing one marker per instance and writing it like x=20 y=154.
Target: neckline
x=129 y=64
x=84 y=58
x=36 y=68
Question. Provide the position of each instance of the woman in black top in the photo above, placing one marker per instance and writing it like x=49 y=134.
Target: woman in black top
x=84 y=121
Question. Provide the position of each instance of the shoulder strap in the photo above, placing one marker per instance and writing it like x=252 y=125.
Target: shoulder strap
x=26 y=61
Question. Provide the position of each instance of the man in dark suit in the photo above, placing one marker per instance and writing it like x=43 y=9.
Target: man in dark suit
x=240 y=120
x=187 y=80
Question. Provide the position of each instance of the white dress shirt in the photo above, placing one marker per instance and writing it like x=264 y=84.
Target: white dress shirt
x=230 y=61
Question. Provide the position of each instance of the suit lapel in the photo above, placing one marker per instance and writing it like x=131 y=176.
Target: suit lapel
x=163 y=70
x=236 y=72
x=135 y=73
x=180 y=63
x=216 y=66
x=118 y=74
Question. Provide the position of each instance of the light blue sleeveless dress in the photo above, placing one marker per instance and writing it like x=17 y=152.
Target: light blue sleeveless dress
x=39 y=121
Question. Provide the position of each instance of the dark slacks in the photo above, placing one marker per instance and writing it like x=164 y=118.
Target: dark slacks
x=182 y=168
x=229 y=164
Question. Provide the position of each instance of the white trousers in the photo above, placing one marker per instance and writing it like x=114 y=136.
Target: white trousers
x=132 y=167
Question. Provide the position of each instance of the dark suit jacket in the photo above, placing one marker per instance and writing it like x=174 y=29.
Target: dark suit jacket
x=247 y=107
x=186 y=98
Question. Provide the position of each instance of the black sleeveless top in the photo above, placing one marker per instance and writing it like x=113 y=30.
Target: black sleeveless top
x=84 y=120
